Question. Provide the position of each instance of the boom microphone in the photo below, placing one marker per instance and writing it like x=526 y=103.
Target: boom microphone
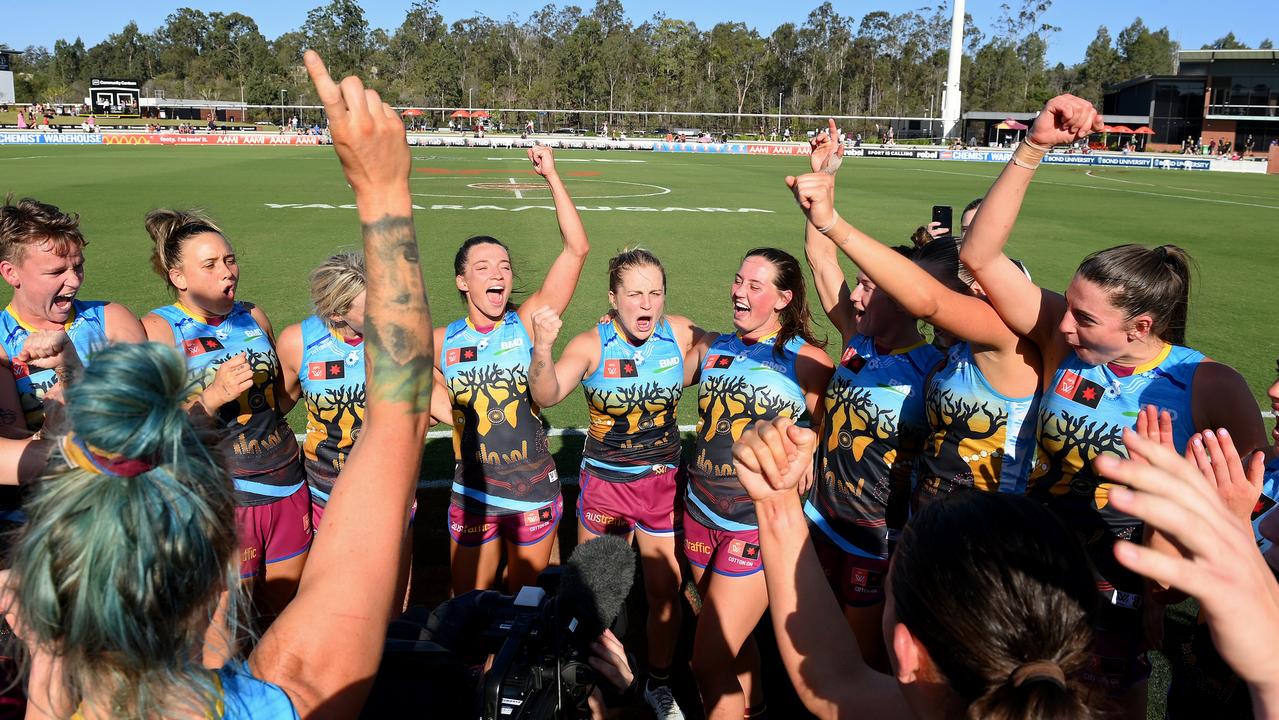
x=594 y=587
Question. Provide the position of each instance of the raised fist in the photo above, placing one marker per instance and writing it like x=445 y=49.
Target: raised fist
x=815 y=193
x=546 y=326
x=774 y=457
x=48 y=349
x=543 y=160
x=1065 y=119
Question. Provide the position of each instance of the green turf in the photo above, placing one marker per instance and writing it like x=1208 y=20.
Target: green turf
x=1226 y=221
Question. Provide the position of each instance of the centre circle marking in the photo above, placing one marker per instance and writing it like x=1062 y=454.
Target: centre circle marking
x=650 y=189
x=507 y=186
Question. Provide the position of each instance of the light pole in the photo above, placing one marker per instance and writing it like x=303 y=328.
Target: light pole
x=469 y=91
x=281 y=110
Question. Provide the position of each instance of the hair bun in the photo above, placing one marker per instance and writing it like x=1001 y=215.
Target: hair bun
x=140 y=417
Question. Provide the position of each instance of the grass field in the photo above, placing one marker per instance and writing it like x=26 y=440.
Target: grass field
x=1225 y=221
x=280 y=208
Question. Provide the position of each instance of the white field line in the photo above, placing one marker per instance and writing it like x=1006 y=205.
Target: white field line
x=519 y=194
x=1111 y=189
x=1090 y=173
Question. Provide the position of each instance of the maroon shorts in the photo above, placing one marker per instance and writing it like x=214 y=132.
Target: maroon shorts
x=857 y=581
x=726 y=552
x=273 y=532
x=617 y=508
x=521 y=528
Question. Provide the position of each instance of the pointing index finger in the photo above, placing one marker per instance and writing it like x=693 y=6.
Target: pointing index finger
x=328 y=90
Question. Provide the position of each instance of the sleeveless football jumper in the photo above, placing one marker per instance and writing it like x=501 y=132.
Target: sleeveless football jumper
x=632 y=398
x=740 y=385
x=332 y=380
x=504 y=465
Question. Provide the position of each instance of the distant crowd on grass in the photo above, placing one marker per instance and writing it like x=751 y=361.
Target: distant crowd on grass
x=978 y=505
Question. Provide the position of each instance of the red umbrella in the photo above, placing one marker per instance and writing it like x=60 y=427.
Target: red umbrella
x=480 y=114
x=412 y=111
x=1014 y=125
x=1121 y=129
x=1143 y=130
x=460 y=114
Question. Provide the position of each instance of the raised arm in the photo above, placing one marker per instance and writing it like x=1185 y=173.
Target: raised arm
x=561 y=280
x=919 y=293
x=828 y=278
x=823 y=258
x=324 y=648
x=1026 y=308
x=816 y=645
x=548 y=381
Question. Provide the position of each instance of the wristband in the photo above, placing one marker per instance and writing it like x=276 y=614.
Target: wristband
x=834 y=221
x=1028 y=155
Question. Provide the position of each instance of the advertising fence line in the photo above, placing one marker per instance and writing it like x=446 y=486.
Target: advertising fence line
x=1156 y=162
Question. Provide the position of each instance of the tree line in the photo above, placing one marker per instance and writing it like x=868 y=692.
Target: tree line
x=880 y=64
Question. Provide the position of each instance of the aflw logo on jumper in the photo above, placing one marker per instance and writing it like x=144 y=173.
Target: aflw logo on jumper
x=852 y=360
x=329 y=370
x=201 y=345
x=718 y=361
x=620 y=369
x=1080 y=389
x=461 y=355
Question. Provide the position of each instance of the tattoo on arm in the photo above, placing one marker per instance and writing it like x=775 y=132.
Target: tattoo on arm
x=400 y=343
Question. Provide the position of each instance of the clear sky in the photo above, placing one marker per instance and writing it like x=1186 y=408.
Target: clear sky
x=1192 y=23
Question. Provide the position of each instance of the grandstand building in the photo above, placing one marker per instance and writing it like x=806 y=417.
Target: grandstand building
x=1222 y=95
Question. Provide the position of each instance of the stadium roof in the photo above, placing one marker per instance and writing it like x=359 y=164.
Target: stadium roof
x=1141 y=79
x=1210 y=55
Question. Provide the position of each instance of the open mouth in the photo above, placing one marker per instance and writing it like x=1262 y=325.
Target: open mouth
x=644 y=323
x=495 y=293
x=63 y=302
x=228 y=291
x=740 y=310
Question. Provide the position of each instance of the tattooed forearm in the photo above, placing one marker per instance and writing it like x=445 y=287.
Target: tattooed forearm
x=399 y=343
x=542 y=383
